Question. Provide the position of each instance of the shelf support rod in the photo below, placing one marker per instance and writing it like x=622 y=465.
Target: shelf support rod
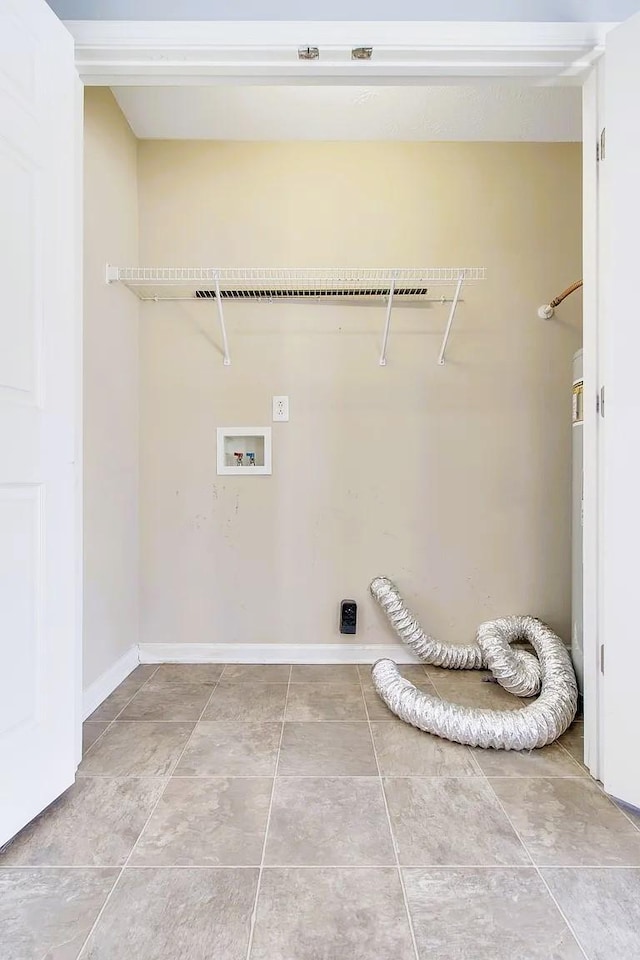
x=223 y=329
x=452 y=313
x=387 y=324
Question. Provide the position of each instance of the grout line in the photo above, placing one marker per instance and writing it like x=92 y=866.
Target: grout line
x=507 y=817
x=99 y=737
x=539 y=776
x=612 y=801
x=238 y=722
x=562 y=914
x=623 y=810
x=152 y=674
x=131 y=852
x=254 y=912
x=315 y=776
x=100 y=913
x=182 y=752
x=198 y=720
x=476 y=764
x=537 y=869
x=321 y=866
x=588 y=776
x=575 y=760
x=117 y=720
x=142 y=685
x=168 y=685
x=113 y=719
x=391 y=833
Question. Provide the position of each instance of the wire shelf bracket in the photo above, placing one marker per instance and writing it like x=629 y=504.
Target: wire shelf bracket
x=387 y=325
x=223 y=330
x=452 y=313
x=388 y=287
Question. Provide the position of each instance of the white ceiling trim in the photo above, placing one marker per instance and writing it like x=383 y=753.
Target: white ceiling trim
x=147 y=53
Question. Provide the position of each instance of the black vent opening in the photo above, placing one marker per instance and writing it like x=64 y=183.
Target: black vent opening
x=286 y=294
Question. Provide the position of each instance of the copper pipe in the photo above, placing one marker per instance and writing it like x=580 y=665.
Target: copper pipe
x=565 y=293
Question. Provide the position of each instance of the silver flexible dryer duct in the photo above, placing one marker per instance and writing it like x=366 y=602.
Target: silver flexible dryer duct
x=534 y=725
x=515 y=670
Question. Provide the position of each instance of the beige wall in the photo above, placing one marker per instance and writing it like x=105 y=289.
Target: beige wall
x=111 y=558
x=452 y=480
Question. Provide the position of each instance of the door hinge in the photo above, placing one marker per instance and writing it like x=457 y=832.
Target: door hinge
x=600 y=402
x=601 y=149
x=602 y=658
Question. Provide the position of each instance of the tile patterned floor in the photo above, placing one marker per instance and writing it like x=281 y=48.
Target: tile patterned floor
x=253 y=812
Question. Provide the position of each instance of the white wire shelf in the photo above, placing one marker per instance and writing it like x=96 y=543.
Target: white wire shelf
x=161 y=283
x=358 y=286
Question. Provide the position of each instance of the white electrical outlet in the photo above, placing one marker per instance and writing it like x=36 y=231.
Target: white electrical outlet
x=280 y=409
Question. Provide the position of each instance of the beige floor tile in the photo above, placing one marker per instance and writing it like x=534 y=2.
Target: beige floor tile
x=231 y=749
x=94 y=823
x=603 y=907
x=450 y=822
x=91 y=731
x=247 y=701
x=143 y=672
x=329 y=822
x=568 y=822
x=117 y=701
x=323 y=914
x=176 y=913
x=168 y=701
x=324 y=673
x=443 y=673
x=257 y=672
x=111 y=707
x=136 y=749
x=551 y=761
x=207 y=822
x=573 y=741
x=632 y=813
x=493 y=913
x=338 y=749
x=474 y=692
x=377 y=708
x=208 y=673
x=46 y=914
x=404 y=751
x=325 y=701
x=364 y=671
x=366 y=681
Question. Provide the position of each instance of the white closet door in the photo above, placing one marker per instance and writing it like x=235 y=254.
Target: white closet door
x=39 y=390
x=621 y=423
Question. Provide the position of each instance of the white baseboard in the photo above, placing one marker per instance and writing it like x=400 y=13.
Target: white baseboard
x=106 y=683
x=273 y=653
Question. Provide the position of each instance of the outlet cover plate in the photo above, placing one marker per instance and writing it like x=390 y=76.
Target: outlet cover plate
x=280 y=409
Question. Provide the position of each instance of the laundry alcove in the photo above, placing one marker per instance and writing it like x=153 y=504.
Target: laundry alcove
x=454 y=478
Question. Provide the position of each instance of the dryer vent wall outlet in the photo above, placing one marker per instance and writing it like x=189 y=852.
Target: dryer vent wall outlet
x=348 y=616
